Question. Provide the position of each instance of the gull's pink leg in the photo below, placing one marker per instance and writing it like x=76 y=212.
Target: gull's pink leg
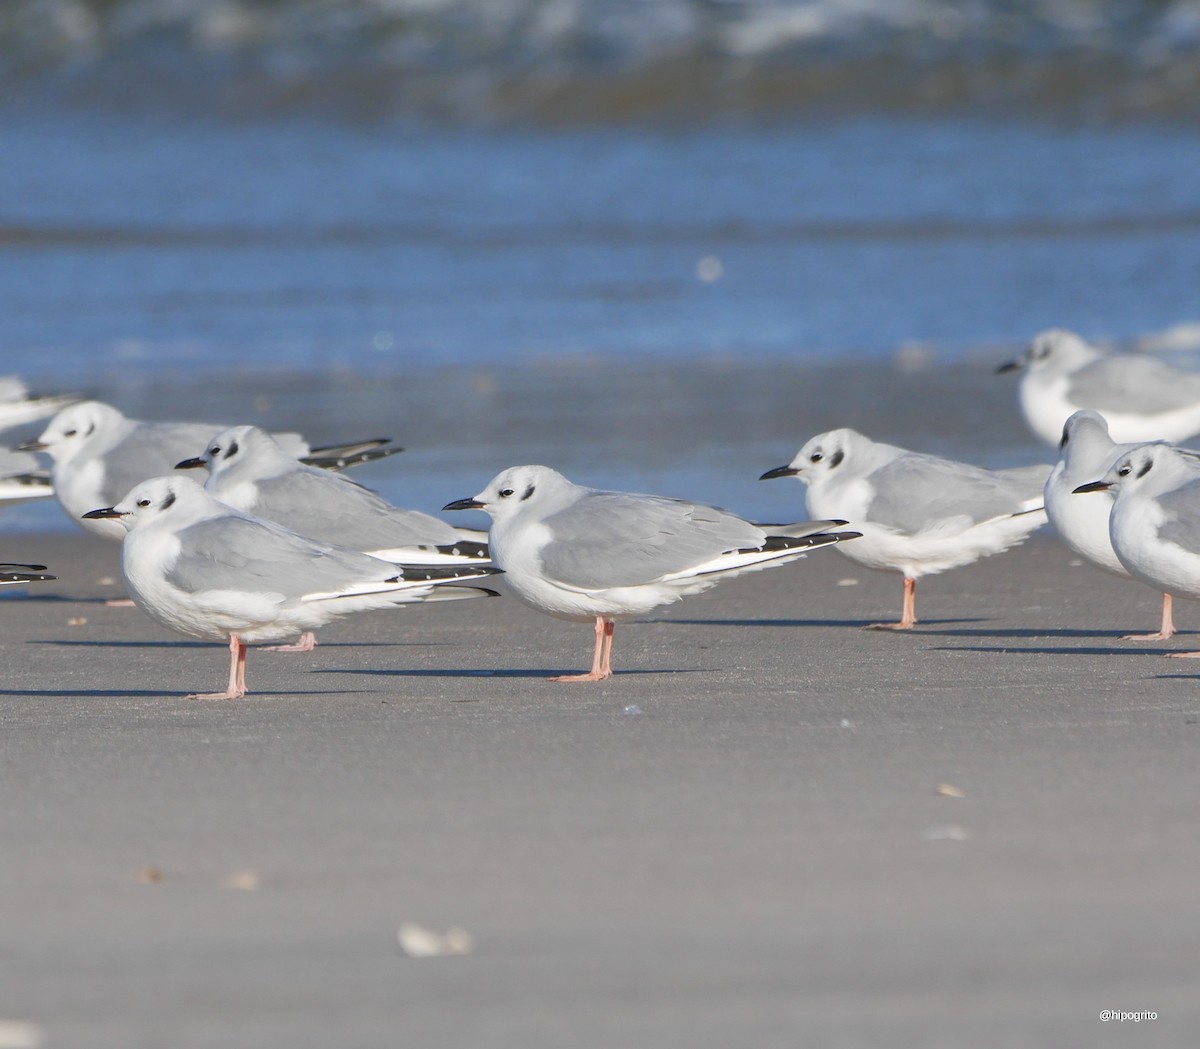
x=610 y=628
x=1165 y=631
x=119 y=602
x=237 y=673
x=600 y=671
x=908 y=614
x=307 y=642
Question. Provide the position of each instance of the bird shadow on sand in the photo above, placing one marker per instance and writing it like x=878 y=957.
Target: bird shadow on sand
x=922 y=629
x=861 y=624
x=1053 y=650
x=484 y=675
x=141 y=693
x=324 y=645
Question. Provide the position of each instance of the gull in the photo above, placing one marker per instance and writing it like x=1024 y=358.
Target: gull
x=587 y=555
x=21 y=478
x=248 y=469
x=1155 y=520
x=1087 y=452
x=918 y=514
x=1142 y=397
x=10 y=573
x=99 y=454
x=213 y=572
x=19 y=406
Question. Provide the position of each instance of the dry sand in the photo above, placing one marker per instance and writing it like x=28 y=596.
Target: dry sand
x=739 y=841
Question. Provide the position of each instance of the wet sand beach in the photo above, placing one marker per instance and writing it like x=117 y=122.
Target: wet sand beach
x=751 y=836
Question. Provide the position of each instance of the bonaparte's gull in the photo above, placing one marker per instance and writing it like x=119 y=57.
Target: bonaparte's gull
x=22 y=478
x=210 y=571
x=99 y=454
x=248 y=469
x=1142 y=397
x=19 y=406
x=1087 y=452
x=587 y=555
x=1155 y=520
x=918 y=514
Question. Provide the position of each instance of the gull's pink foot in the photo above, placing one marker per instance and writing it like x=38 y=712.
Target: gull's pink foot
x=908 y=613
x=1166 y=630
x=601 y=658
x=236 y=688
x=119 y=602
x=307 y=642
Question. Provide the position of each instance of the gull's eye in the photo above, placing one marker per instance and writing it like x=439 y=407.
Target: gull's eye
x=143 y=502
x=505 y=493
x=70 y=433
x=215 y=450
x=816 y=457
x=1125 y=471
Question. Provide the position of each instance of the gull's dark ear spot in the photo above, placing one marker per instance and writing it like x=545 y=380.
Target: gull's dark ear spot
x=836 y=458
x=1065 y=438
x=232 y=449
x=169 y=500
x=90 y=430
x=528 y=493
x=1145 y=468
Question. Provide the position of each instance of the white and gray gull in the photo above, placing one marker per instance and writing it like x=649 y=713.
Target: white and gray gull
x=213 y=572
x=250 y=470
x=918 y=514
x=99 y=454
x=1155 y=520
x=587 y=555
x=1142 y=397
x=1087 y=452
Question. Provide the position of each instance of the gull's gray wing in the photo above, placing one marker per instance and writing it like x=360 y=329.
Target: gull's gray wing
x=150 y=450
x=1133 y=384
x=240 y=553
x=914 y=493
x=335 y=509
x=1181 y=517
x=609 y=539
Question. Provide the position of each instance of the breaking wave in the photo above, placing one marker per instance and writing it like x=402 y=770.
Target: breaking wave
x=607 y=60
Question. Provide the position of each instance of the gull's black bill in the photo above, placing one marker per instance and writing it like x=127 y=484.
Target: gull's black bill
x=191 y=464
x=779 y=471
x=103 y=512
x=31 y=446
x=464 y=504
x=1010 y=366
x=1092 y=486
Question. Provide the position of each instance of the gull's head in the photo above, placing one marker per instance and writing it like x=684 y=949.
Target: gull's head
x=1148 y=468
x=1085 y=440
x=518 y=489
x=823 y=457
x=237 y=449
x=160 y=498
x=75 y=429
x=1053 y=352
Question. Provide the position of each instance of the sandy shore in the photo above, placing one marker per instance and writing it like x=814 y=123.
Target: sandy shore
x=739 y=841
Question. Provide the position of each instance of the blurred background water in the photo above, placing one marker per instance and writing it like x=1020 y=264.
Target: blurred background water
x=247 y=194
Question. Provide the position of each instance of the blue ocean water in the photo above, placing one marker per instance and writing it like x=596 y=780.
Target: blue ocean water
x=132 y=240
